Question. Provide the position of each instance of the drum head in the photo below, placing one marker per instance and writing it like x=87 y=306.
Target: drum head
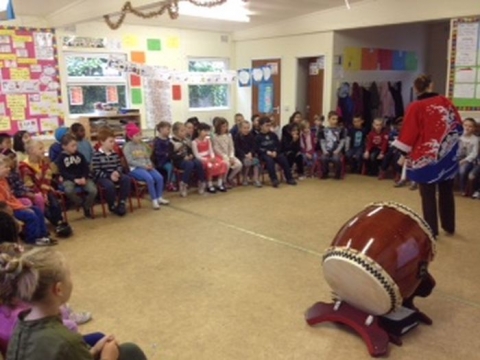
x=360 y=281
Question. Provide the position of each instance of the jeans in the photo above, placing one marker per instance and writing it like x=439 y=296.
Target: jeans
x=280 y=160
x=53 y=211
x=188 y=166
x=110 y=189
x=93 y=338
x=336 y=160
x=474 y=177
x=152 y=178
x=355 y=159
x=310 y=162
x=373 y=163
x=465 y=169
x=167 y=172
x=446 y=205
x=71 y=192
x=34 y=223
x=391 y=159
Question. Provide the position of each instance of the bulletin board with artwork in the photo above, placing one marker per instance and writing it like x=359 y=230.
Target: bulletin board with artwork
x=30 y=85
x=464 y=78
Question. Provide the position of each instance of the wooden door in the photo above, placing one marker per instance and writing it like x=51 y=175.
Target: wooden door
x=315 y=90
x=276 y=67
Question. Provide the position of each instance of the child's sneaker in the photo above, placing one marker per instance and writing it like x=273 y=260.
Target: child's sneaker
x=201 y=187
x=400 y=183
x=476 y=195
x=301 y=177
x=45 y=241
x=381 y=175
x=212 y=190
x=163 y=201
x=155 y=205
x=88 y=213
x=81 y=318
x=245 y=182
x=183 y=189
x=258 y=184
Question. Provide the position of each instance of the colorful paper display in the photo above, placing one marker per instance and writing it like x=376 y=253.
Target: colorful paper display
x=352 y=59
x=138 y=57
x=135 y=81
x=137 y=98
x=28 y=71
x=154 y=45
x=173 y=42
x=369 y=59
x=176 y=92
x=130 y=42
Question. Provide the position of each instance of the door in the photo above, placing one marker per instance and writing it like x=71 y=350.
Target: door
x=315 y=90
x=268 y=92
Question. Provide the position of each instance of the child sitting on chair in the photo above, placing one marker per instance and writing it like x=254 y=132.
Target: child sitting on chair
x=108 y=173
x=41 y=279
x=19 y=141
x=213 y=165
x=56 y=148
x=141 y=167
x=75 y=172
x=267 y=146
x=84 y=146
x=160 y=154
x=356 y=145
x=182 y=157
x=223 y=146
x=468 y=152
x=6 y=145
x=292 y=150
x=308 y=145
x=37 y=173
x=36 y=232
x=376 y=148
x=245 y=152
x=332 y=143
x=27 y=196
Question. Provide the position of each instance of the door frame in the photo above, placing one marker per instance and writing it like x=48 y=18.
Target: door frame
x=299 y=57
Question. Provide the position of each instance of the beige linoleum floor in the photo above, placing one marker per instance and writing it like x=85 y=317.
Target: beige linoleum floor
x=230 y=276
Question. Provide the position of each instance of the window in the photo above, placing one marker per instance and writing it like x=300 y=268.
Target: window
x=91 y=81
x=208 y=96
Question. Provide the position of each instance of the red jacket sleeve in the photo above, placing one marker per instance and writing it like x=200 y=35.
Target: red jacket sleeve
x=410 y=130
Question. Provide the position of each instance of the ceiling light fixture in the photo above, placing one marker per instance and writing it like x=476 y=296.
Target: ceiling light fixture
x=347 y=4
x=232 y=10
x=199 y=8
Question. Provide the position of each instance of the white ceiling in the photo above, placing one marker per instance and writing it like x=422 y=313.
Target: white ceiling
x=264 y=12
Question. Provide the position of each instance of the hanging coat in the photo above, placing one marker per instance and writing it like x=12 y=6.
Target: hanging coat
x=387 y=108
x=396 y=91
x=357 y=98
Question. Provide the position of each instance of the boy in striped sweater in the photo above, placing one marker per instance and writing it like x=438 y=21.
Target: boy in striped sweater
x=107 y=173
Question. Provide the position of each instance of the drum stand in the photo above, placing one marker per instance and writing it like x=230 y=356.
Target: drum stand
x=376 y=331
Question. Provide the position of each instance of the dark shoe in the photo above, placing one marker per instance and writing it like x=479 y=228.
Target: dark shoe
x=212 y=190
x=63 y=230
x=222 y=188
x=291 y=182
x=121 y=210
x=275 y=183
x=88 y=213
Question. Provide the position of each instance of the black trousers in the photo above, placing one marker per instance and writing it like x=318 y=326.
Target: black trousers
x=446 y=205
x=270 y=165
x=296 y=159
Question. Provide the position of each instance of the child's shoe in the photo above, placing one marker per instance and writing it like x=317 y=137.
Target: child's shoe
x=222 y=188
x=258 y=184
x=245 y=182
x=45 y=241
x=201 y=187
x=212 y=190
x=155 y=205
x=291 y=182
x=275 y=183
x=163 y=201
x=381 y=175
x=121 y=209
x=476 y=195
x=88 y=213
x=81 y=318
x=184 y=189
x=400 y=183
x=63 y=230
x=414 y=186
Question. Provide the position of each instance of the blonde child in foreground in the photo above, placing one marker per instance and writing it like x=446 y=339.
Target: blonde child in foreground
x=41 y=278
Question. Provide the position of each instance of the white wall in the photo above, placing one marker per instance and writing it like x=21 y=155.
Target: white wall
x=437 y=54
x=192 y=44
x=400 y=37
x=288 y=49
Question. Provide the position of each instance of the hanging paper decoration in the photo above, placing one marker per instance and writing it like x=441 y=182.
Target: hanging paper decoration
x=257 y=76
x=158 y=101
x=267 y=74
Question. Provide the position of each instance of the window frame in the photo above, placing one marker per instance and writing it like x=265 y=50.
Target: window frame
x=226 y=61
x=81 y=81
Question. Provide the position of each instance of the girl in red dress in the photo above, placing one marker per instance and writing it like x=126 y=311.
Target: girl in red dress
x=214 y=165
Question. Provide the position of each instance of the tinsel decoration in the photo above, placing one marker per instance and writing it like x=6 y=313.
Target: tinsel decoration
x=170 y=6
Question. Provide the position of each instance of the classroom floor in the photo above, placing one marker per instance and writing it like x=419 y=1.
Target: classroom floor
x=229 y=276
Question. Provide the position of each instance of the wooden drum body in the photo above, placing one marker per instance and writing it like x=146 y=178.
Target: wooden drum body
x=379 y=257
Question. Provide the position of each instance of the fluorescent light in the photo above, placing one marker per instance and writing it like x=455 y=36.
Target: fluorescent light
x=232 y=10
x=347 y=3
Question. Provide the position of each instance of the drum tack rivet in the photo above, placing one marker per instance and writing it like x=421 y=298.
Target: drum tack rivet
x=369 y=320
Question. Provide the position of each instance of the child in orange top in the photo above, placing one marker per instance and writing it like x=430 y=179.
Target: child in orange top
x=35 y=230
x=36 y=172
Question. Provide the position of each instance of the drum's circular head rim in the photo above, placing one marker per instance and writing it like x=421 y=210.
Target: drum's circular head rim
x=372 y=268
x=413 y=215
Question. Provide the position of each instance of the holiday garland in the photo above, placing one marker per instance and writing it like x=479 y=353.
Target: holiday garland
x=170 y=6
